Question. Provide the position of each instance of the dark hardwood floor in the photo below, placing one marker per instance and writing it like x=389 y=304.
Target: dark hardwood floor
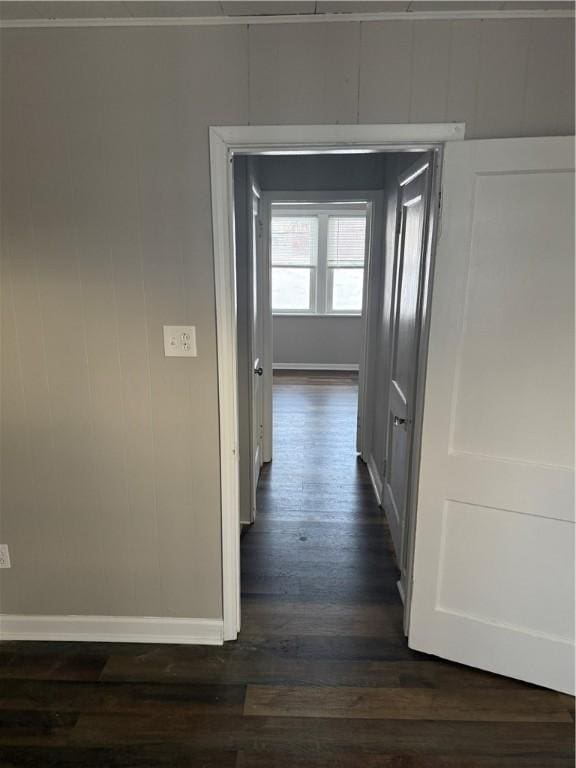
x=321 y=676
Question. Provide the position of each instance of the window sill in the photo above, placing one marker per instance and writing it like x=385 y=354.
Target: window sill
x=316 y=314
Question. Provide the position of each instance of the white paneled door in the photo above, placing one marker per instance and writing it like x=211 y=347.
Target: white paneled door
x=493 y=581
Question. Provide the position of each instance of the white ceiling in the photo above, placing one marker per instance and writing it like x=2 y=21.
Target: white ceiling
x=85 y=9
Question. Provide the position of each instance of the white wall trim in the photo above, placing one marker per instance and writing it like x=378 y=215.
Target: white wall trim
x=222 y=188
x=375 y=478
x=320 y=18
x=118 y=629
x=390 y=137
x=315 y=366
x=224 y=142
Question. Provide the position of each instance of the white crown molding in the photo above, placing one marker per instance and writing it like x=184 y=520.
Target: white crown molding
x=116 y=629
x=320 y=18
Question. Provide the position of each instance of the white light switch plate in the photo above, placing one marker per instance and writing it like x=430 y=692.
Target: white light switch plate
x=4 y=556
x=180 y=341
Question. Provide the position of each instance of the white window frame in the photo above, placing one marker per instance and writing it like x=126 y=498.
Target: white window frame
x=313 y=297
x=306 y=203
x=359 y=211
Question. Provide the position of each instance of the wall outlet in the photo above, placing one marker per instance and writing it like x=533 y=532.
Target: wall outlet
x=4 y=556
x=180 y=341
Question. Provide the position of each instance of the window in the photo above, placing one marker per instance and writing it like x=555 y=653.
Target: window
x=318 y=259
x=294 y=262
x=345 y=257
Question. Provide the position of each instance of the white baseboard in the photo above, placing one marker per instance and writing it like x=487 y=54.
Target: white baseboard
x=377 y=481
x=315 y=366
x=113 y=629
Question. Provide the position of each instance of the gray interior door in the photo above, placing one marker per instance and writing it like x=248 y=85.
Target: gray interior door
x=414 y=186
x=257 y=342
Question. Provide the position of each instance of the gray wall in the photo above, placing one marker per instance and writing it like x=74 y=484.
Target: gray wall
x=323 y=340
x=319 y=340
x=317 y=173
x=110 y=473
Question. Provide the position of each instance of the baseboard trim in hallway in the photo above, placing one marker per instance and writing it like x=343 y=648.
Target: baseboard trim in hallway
x=377 y=482
x=315 y=366
x=119 y=629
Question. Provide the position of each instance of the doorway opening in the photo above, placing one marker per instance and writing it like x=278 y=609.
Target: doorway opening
x=326 y=244
x=226 y=143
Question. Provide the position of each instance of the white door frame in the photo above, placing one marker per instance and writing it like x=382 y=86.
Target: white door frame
x=225 y=142
x=256 y=293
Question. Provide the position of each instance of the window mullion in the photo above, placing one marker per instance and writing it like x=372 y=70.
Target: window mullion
x=322 y=267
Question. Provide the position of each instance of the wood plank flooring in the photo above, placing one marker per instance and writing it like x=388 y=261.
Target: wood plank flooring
x=321 y=676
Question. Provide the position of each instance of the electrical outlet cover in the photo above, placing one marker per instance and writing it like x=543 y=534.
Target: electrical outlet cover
x=180 y=341
x=4 y=556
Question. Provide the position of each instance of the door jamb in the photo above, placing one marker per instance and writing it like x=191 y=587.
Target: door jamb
x=268 y=346
x=257 y=258
x=225 y=142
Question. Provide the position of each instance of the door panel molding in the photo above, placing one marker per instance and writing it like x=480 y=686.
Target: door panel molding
x=531 y=489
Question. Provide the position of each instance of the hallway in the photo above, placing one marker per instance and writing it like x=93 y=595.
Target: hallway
x=321 y=675
x=319 y=594
x=319 y=547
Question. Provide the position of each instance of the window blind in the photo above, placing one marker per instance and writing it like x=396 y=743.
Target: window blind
x=346 y=241
x=294 y=241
